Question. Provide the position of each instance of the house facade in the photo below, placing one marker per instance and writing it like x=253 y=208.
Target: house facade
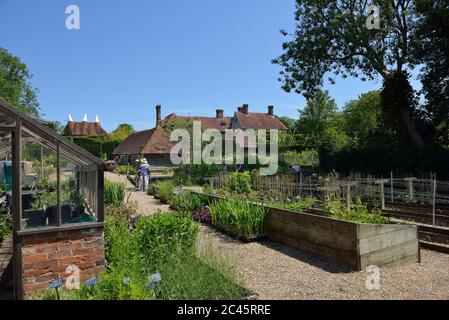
x=155 y=144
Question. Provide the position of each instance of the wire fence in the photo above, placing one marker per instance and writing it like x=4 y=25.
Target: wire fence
x=430 y=195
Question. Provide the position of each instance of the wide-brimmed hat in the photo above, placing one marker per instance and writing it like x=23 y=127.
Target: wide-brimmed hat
x=144 y=160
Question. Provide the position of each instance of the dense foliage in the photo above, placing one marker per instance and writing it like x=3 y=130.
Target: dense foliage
x=239 y=216
x=239 y=182
x=114 y=193
x=390 y=126
x=15 y=86
x=187 y=201
x=299 y=205
x=159 y=259
x=164 y=191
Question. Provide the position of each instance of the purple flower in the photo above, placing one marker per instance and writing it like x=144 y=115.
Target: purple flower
x=56 y=283
x=153 y=280
x=91 y=282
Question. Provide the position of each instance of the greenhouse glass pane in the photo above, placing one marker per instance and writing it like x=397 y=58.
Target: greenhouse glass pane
x=38 y=179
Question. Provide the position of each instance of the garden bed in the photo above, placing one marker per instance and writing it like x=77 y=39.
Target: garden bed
x=355 y=245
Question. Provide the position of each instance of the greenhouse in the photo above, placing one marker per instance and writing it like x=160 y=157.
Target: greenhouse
x=53 y=191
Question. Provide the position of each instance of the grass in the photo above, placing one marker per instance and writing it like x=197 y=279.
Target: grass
x=240 y=216
x=114 y=193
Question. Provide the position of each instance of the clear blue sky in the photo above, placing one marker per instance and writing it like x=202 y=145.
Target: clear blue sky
x=191 y=57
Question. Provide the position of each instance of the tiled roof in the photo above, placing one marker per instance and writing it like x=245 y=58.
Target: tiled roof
x=157 y=140
x=258 y=120
x=220 y=124
x=153 y=141
x=84 y=129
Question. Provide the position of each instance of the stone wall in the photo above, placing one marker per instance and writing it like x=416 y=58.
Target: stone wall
x=46 y=256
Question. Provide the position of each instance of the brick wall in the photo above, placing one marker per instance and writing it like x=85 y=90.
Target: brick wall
x=45 y=257
x=6 y=253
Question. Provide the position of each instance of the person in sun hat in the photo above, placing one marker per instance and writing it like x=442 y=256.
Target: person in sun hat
x=144 y=172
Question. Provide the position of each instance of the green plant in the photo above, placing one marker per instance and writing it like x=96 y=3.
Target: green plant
x=164 y=244
x=188 y=201
x=165 y=237
x=124 y=169
x=5 y=223
x=122 y=211
x=114 y=192
x=240 y=182
x=361 y=215
x=240 y=216
x=164 y=191
x=195 y=174
x=298 y=205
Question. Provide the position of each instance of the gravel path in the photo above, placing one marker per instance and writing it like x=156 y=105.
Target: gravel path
x=275 y=271
x=147 y=204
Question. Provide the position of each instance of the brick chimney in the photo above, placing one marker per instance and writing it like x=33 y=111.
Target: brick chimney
x=245 y=109
x=158 y=114
x=239 y=109
x=270 y=110
x=219 y=113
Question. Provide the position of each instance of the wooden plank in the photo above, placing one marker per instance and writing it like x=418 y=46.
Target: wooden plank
x=369 y=230
x=387 y=240
x=347 y=258
x=403 y=253
x=310 y=219
x=314 y=233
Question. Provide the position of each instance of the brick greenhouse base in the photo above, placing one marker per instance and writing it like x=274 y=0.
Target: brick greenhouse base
x=45 y=257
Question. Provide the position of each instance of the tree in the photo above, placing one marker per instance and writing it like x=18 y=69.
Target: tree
x=361 y=116
x=331 y=39
x=14 y=84
x=319 y=122
x=122 y=132
x=432 y=49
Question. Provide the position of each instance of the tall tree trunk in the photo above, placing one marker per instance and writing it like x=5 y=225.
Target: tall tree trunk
x=412 y=128
x=398 y=101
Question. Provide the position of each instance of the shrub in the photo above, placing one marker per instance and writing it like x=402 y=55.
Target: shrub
x=165 y=244
x=195 y=174
x=122 y=211
x=164 y=191
x=124 y=169
x=114 y=193
x=240 y=182
x=188 y=201
x=165 y=237
x=240 y=216
x=202 y=215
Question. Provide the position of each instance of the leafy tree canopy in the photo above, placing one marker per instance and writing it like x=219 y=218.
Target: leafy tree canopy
x=361 y=116
x=15 y=86
x=432 y=49
x=331 y=39
x=122 y=132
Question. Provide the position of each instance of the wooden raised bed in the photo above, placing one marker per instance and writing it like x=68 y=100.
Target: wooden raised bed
x=354 y=245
